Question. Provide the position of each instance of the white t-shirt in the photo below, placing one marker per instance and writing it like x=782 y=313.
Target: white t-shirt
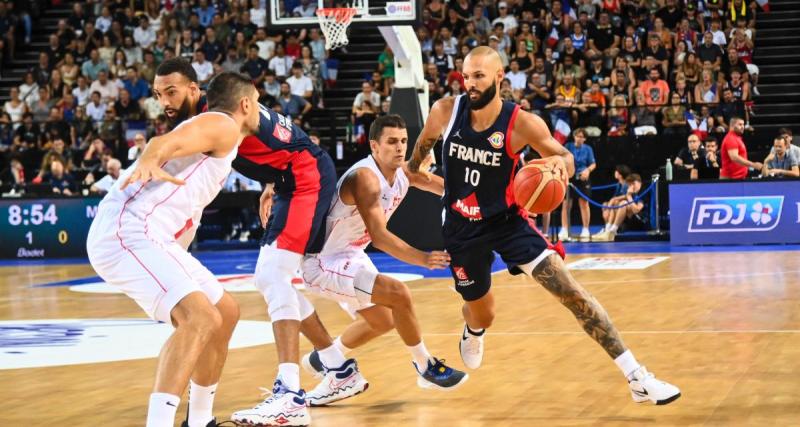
x=105 y=183
x=266 y=48
x=82 y=96
x=509 y=22
x=204 y=70
x=259 y=17
x=719 y=38
x=108 y=92
x=144 y=38
x=374 y=98
x=299 y=86
x=307 y=12
x=96 y=112
x=518 y=80
x=281 y=66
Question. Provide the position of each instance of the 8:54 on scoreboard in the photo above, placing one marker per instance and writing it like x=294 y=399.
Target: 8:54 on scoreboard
x=45 y=228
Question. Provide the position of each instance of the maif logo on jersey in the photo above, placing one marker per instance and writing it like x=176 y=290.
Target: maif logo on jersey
x=496 y=140
x=468 y=207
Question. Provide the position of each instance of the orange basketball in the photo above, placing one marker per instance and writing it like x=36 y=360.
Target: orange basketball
x=537 y=189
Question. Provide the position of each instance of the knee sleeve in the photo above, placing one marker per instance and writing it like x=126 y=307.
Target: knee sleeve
x=275 y=269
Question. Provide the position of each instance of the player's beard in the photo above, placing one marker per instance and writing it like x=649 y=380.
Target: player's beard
x=182 y=114
x=484 y=98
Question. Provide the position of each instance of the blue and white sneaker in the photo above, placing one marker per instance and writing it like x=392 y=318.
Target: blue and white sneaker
x=338 y=384
x=437 y=375
x=283 y=407
x=313 y=365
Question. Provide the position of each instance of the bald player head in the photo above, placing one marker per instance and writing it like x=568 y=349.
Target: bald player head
x=483 y=72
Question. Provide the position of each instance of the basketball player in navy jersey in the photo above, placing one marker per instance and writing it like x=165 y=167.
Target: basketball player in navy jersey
x=304 y=181
x=482 y=138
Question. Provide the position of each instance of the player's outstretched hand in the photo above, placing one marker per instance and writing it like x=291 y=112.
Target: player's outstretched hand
x=437 y=260
x=265 y=204
x=145 y=173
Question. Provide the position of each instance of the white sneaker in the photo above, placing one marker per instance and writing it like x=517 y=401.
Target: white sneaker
x=563 y=235
x=338 y=384
x=471 y=349
x=313 y=365
x=585 y=235
x=645 y=386
x=284 y=407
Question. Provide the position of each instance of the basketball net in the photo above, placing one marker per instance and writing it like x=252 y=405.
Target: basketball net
x=334 y=22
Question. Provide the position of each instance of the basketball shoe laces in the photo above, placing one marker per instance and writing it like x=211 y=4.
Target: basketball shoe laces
x=276 y=392
x=473 y=345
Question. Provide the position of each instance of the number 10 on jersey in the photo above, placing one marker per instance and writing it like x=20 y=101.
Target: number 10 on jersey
x=472 y=176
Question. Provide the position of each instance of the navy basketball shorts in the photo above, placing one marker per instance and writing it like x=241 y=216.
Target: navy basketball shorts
x=300 y=206
x=472 y=245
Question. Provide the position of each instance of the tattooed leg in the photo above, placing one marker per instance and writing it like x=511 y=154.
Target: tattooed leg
x=554 y=276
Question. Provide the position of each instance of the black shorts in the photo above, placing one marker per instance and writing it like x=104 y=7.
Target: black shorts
x=584 y=186
x=472 y=245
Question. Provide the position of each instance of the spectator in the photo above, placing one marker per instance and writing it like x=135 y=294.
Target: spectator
x=674 y=119
x=203 y=68
x=643 y=118
x=603 y=41
x=621 y=173
x=91 y=69
x=103 y=22
x=707 y=167
x=29 y=90
x=255 y=67
x=734 y=153
x=306 y=8
x=205 y=12
x=719 y=35
x=96 y=109
x=61 y=181
x=508 y=20
x=780 y=163
x=41 y=108
x=657 y=54
x=258 y=15
x=568 y=89
x=740 y=11
x=144 y=35
x=271 y=85
x=69 y=69
x=55 y=127
x=710 y=51
x=104 y=185
x=27 y=135
x=292 y=105
x=584 y=165
x=81 y=92
x=707 y=91
x=632 y=210
x=599 y=75
x=133 y=53
x=386 y=65
x=313 y=69
x=728 y=109
x=109 y=92
x=185 y=46
x=14 y=175
x=655 y=90
x=119 y=67
x=41 y=72
x=139 y=142
x=299 y=84
x=232 y=62
x=137 y=88
x=590 y=115
x=266 y=46
x=152 y=108
x=127 y=108
x=212 y=48
x=58 y=151
x=618 y=117
x=688 y=157
x=494 y=43
x=482 y=24
x=280 y=64
x=15 y=107
x=517 y=77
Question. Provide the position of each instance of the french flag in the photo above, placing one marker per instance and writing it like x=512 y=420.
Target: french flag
x=552 y=39
x=566 y=7
x=764 y=4
x=699 y=129
x=562 y=131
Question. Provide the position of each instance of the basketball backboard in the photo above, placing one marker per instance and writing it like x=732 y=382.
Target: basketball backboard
x=302 y=13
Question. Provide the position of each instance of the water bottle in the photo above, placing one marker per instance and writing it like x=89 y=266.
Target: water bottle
x=668 y=170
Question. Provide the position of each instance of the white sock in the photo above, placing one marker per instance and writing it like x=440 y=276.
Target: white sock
x=331 y=357
x=201 y=403
x=161 y=411
x=585 y=230
x=342 y=348
x=613 y=228
x=562 y=231
x=420 y=355
x=607 y=227
x=289 y=373
x=627 y=363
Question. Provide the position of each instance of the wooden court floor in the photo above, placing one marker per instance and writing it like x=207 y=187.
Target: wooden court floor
x=724 y=327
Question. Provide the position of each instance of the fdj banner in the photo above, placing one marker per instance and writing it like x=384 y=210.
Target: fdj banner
x=735 y=213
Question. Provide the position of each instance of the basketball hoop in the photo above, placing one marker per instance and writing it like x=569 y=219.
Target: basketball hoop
x=334 y=22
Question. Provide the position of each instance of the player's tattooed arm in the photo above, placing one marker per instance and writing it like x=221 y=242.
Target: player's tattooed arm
x=553 y=275
x=438 y=118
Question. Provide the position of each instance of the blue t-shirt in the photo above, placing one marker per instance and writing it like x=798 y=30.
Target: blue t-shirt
x=584 y=156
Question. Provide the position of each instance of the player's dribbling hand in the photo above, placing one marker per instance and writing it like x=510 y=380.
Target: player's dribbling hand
x=558 y=167
x=437 y=260
x=265 y=204
x=145 y=173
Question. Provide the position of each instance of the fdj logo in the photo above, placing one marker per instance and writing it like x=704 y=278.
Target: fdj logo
x=716 y=214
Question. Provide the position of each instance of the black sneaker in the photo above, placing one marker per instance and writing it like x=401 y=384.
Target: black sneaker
x=212 y=423
x=313 y=365
x=440 y=376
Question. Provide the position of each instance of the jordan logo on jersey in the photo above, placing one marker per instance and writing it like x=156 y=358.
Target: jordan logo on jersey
x=468 y=207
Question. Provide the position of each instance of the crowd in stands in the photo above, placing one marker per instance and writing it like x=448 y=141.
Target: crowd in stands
x=87 y=108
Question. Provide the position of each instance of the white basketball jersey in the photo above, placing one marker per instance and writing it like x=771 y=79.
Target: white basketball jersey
x=165 y=210
x=346 y=230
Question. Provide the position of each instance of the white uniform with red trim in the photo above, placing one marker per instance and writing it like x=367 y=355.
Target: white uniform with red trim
x=134 y=241
x=342 y=271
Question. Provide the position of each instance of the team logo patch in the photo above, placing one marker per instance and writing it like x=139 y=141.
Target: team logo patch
x=496 y=140
x=284 y=135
